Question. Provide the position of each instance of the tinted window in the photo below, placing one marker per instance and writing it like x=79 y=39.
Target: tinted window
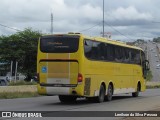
x=111 y=52
x=119 y=54
x=88 y=48
x=107 y=52
x=126 y=55
x=137 y=57
x=95 y=50
x=59 y=44
x=143 y=56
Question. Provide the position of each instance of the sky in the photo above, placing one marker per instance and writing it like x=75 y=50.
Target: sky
x=125 y=20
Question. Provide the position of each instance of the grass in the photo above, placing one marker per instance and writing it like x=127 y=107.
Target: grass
x=152 y=86
x=21 y=82
x=149 y=76
x=11 y=95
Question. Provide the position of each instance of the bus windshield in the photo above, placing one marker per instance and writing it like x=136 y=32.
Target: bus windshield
x=59 y=44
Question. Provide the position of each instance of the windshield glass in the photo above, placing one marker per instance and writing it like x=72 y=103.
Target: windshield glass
x=59 y=44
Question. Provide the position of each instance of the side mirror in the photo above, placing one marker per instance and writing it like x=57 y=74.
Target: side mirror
x=146 y=65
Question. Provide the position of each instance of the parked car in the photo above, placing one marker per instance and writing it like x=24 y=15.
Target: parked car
x=158 y=66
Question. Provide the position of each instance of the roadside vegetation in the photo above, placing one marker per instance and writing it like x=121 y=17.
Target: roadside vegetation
x=11 y=95
x=19 y=89
x=21 y=82
x=152 y=86
x=149 y=76
x=24 y=44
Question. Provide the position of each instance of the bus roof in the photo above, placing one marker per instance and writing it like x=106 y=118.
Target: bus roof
x=100 y=39
x=110 y=41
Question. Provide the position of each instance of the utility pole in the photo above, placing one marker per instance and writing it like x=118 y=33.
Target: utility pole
x=103 y=19
x=51 y=23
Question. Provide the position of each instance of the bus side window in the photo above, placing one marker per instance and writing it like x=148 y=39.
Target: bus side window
x=131 y=56
x=126 y=55
x=105 y=51
x=101 y=51
x=111 y=52
x=88 y=48
x=119 y=54
x=94 y=51
x=137 y=57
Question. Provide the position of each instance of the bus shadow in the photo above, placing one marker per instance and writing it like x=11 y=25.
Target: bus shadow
x=84 y=101
x=121 y=97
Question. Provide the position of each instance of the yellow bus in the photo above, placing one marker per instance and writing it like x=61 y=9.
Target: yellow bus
x=74 y=65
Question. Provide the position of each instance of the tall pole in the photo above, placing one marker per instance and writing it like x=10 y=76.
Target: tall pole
x=51 y=23
x=103 y=18
x=16 y=71
x=11 y=70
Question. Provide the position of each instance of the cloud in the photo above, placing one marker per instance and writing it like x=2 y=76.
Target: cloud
x=129 y=16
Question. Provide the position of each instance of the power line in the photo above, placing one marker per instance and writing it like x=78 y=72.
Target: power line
x=103 y=19
x=51 y=23
x=89 y=27
x=117 y=20
x=107 y=25
x=10 y=27
x=118 y=31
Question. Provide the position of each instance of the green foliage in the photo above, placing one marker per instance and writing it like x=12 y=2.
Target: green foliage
x=149 y=76
x=140 y=41
x=156 y=39
x=21 y=47
x=152 y=86
x=21 y=82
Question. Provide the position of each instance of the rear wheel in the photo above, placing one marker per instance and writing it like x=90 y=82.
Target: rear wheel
x=109 y=93
x=135 y=94
x=67 y=98
x=101 y=96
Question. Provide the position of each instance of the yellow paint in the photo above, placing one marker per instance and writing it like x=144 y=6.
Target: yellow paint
x=121 y=75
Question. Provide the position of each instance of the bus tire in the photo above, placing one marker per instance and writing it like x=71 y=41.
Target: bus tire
x=101 y=95
x=67 y=98
x=136 y=94
x=109 y=93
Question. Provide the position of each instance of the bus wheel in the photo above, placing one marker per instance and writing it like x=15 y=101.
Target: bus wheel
x=135 y=94
x=67 y=98
x=109 y=93
x=101 y=96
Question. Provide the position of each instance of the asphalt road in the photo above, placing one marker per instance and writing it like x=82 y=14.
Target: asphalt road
x=148 y=100
x=154 y=60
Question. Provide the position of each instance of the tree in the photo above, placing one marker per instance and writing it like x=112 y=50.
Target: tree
x=21 y=47
x=156 y=39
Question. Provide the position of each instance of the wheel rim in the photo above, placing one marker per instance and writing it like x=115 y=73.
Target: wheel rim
x=109 y=92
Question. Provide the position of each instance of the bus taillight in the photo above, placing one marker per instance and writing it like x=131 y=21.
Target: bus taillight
x=80 y=78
